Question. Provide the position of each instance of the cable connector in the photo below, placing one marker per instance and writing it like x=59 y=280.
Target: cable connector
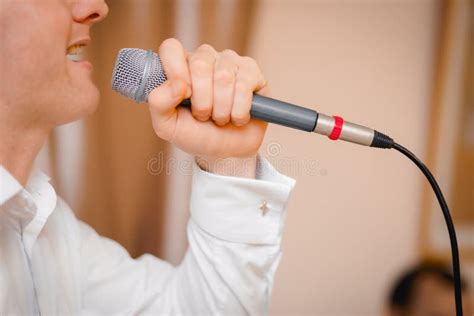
x=381 y=140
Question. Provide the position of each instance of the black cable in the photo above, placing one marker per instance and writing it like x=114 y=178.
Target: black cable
x=449 y=224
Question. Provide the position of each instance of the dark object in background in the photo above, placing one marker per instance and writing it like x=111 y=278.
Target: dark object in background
x=425 y=289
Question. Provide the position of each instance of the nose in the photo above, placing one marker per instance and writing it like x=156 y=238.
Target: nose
x=89 y=11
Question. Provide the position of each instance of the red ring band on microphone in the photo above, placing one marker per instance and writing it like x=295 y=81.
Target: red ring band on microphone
x=337 y=129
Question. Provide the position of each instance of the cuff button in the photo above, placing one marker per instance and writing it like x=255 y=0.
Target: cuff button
x=264 y=208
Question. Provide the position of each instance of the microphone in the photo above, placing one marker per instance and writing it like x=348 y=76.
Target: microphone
x=137 y=72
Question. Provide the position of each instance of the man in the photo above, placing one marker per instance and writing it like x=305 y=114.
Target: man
x=425 y=290
x=53 y=264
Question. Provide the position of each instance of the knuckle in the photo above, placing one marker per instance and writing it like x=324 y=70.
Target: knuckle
x=240 y=119
x=199 y=65
x=205 y=47
x=220 y=116
x=170 y=42
x=224 y=76
x=202 y=111
x=239 y=122
x=221 y=120
x=249 y=61
x=229 y=52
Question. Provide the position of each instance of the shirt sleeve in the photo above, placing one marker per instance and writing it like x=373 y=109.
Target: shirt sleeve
x=234 y=236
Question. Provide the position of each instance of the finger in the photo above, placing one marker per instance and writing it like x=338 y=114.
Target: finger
x=248 y=80
x=164 y=99
x=224 y=81
x=173 y=59
x=262 y=88
x=201 y=67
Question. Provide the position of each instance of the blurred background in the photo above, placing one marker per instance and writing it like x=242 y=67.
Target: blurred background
x=358 y=217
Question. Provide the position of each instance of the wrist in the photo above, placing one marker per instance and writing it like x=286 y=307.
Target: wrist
x=232 y=166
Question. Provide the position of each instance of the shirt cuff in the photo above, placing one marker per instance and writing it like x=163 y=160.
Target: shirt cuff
x=240 y=209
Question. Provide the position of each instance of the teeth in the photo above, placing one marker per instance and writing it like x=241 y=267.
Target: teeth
x=74 y=52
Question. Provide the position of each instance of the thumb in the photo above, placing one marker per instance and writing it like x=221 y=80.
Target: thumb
x=164 y=99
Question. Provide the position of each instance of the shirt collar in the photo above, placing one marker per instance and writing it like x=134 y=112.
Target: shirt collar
x=32 y=204
x=9 y=186
x=37 y=180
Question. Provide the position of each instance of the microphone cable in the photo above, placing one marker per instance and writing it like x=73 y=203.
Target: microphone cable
x=449 y=224
x=381 y=140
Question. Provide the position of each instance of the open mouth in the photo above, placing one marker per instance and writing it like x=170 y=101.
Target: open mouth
x=75 y=52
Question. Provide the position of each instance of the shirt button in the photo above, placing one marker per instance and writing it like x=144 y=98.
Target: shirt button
x=264 y=208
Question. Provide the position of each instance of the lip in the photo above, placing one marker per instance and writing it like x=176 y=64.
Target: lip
x=83 y=63
x=81 y=41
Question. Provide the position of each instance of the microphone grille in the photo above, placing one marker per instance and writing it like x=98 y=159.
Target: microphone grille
x=136 y=73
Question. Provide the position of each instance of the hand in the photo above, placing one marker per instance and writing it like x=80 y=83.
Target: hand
x=220 y=86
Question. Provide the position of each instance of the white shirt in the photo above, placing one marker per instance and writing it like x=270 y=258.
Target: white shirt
x=53 y=264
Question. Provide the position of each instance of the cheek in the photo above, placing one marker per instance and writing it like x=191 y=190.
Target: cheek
x=33 y=48
x=42 y=83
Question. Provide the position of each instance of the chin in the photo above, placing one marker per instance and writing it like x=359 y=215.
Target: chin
x=81 y=105
x=91 y=101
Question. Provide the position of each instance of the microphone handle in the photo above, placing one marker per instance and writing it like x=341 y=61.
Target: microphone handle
x=283 y=113
x=297 y=117
x=279 y=112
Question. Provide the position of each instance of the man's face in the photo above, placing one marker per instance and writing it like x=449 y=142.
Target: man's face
x=43 y=82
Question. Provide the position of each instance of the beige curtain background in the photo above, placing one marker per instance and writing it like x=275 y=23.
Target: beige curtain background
x=354 y=219
x=113 y=189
